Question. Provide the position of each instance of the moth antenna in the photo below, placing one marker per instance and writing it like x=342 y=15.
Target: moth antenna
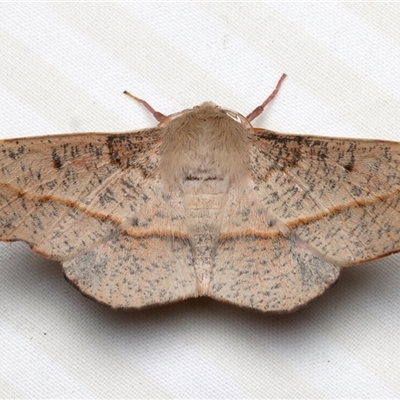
x=156 y=114
x=258 y=110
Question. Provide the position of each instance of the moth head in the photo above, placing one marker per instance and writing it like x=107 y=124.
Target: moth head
x=210 y=110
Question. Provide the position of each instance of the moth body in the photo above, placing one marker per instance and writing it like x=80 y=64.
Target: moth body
x=205 y=155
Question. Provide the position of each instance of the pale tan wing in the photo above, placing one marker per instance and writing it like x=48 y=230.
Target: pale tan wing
x=140 y=267
x=64 y=193
x=340 y=196
x=79 y=198
x=259 y=264
x=313 y=205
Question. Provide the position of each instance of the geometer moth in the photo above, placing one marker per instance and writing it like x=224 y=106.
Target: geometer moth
x=203 y=204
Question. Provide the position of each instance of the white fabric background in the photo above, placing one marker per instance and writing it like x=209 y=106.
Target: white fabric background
x=63 y=68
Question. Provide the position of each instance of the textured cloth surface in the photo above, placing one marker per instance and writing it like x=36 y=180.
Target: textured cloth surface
x=63 y=68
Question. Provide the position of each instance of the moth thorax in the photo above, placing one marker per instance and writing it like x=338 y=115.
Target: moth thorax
x=211 y=150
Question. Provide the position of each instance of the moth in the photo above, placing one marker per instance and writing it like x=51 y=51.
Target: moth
x=203 y=204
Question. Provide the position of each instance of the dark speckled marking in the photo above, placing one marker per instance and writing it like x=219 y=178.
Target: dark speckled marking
x=56 y=159
x=349 y=167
